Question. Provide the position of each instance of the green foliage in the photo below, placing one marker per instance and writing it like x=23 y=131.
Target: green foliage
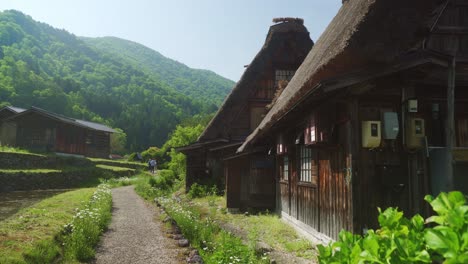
x=12 y=149
x=163 y=182
x=215 y=244
x=118 y=141
x=144 y=186
x=198 y=190
x=201 y=85
x=448 y=240
x=118 y=182
x=119 y=83
x=182 y=136
x=152 y=152
x=402 y=240
x=81 y=235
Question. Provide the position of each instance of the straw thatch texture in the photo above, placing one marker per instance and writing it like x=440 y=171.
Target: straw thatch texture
x=364 y=33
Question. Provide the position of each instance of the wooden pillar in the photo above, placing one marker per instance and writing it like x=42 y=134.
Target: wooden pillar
x=352 y=161
x=450 y=128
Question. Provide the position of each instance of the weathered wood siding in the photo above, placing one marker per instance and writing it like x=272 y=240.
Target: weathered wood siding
x=262 y=181
x=70 y=139
x=233 y=171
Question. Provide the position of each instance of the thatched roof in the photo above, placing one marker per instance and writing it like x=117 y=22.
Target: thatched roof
x=291 y=32
x=363 y=34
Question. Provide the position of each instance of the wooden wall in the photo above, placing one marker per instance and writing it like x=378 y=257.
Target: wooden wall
x=35 y=132
x=323 y=204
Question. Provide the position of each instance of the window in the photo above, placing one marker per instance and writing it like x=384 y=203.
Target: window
x=308 y=165
x=283 y=75
x=285 y=168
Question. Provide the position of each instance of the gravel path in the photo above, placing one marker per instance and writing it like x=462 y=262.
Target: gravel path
x=134 y=235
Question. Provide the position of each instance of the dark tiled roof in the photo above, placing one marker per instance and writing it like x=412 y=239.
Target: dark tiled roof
x=64 y=119
x=13 y=109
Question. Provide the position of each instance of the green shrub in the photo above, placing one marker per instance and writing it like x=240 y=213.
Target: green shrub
x=144 y=187
x=402 y=240
x=448 y=240
x=198 y=190
x=163 y=181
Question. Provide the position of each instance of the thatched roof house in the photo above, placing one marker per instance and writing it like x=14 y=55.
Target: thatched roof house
x=286 y=45
x=365 y=35
x=376 y=116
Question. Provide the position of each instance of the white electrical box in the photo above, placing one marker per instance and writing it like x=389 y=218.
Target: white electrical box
x=413 y=106
x=371 y=135
x=390 y=125
x=415 y=133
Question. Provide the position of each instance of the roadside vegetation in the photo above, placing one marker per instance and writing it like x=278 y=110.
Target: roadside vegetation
x=201 y=215
x=14 y=150
x=441 y=238
x=80 y=236
x=62 y=228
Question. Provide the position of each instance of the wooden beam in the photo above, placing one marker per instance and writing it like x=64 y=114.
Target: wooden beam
x=450 y=129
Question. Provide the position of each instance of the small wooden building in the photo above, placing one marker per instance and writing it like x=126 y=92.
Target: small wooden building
x=8 y=130
x=41 y=130
x=210 y=160
x=376 y=116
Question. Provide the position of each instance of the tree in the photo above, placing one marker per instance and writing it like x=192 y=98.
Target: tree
x=118 y=140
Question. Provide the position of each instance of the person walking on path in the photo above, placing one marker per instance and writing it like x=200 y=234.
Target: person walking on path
x=153 y=164
x=134 y=236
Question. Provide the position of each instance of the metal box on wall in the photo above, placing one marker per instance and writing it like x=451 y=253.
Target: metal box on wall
x=415 y=133
x=371 y=135
x=391 y=126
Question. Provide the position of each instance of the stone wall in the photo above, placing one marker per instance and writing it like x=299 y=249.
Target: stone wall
x=25 y=172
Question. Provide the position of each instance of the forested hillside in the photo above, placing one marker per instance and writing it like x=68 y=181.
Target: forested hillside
x=58 y=71
x=199 y=84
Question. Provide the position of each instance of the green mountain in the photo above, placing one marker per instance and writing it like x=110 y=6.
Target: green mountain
x=60 y=72
x=200 y=84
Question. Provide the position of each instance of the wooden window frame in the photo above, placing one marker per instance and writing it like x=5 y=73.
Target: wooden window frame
x=308 y=165
x=285 y=169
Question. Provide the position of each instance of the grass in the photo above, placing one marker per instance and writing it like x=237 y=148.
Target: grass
x=81 y=235
x=215 y=244
x=202 y=221
x=9 y=149
x=31 y=232
x=269 y=228
x=14 y=171
x=122 y=181
x=114 y=168
x=97 y=160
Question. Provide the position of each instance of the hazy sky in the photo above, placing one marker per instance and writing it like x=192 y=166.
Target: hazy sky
x=218 y=35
